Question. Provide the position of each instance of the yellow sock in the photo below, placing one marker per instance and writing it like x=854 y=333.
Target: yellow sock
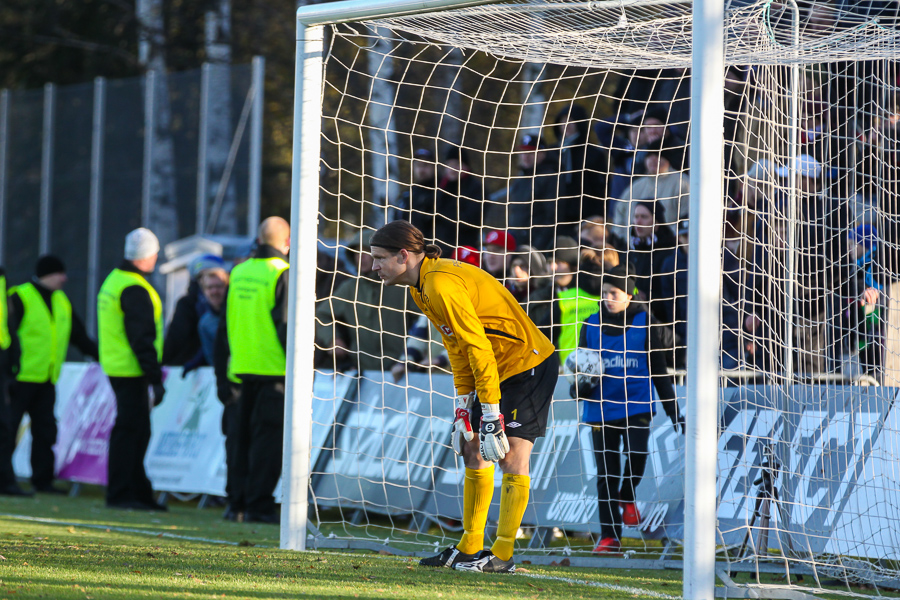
x=513 y=500
x=478 y=490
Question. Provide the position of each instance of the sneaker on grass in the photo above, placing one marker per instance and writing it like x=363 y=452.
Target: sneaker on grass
x=448 y=558
x=486 y=562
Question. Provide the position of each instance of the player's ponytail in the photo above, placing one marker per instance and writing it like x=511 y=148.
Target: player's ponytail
x=402 y=235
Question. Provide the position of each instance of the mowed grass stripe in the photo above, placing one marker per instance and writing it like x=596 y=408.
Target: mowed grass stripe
x=62 y=557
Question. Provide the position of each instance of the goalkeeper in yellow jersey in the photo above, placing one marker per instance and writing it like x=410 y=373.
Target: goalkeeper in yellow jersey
x=504 y=371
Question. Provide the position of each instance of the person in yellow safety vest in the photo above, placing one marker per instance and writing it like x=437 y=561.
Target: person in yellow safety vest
x=41 y=325
x=8 y=484
x=255 y=326
x=130 y=325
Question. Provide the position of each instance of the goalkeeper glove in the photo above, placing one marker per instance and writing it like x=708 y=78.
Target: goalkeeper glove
x=494 y=444
x=462 y=423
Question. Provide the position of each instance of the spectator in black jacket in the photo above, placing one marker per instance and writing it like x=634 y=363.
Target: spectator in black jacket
x=421 y=202
x=531 y=283
x=649 y=247
x=130 y=329
x=582 y=170
x=182 y=345
x=673 y=289
x=533 y=196
x=42 y=324
x=459 y=212
x=8 y=484
x=214 y=284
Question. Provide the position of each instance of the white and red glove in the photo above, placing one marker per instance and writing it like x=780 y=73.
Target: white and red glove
x=494 y=444
x=462 y=423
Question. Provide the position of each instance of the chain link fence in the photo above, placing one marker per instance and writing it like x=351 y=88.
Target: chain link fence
x=80 y=167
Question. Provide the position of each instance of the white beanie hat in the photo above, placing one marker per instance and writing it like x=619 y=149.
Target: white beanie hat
x=140 y=243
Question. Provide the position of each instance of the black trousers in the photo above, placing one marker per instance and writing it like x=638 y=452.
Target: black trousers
x=36 y=399
x=259 y=446
x=614 y=483
x=234 y=487
x=126 y=477
x=7 y=437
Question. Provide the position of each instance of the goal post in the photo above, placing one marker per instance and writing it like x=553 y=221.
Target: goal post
x=311 y=20
x=761 y=142
x=706 y=209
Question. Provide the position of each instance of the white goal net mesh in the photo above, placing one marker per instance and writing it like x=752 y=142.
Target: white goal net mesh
x=549 y=141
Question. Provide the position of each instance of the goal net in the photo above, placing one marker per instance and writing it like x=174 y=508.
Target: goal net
x=546 y=139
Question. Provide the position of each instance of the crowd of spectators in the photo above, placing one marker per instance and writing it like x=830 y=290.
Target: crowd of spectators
x=615 y=190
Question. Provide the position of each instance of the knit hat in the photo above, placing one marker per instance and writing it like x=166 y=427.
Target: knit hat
x=531 y=141
x=866 y=235
x=532 y=261
x=618 y=278
x=466 y=254
x=424 y=154
x=206 y=263
x=657 y=209
x=141 y=243
x=360 y=240
x=48 y=265
x=500 y=238
x=458 y=153
x=567 y=251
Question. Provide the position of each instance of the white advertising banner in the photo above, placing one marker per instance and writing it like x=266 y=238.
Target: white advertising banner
x=187 y=448
x=375 y=450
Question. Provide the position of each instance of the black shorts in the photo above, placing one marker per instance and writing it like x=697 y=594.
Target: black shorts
x=525 y=400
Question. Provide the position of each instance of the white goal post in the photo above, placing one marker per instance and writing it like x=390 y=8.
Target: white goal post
x=304 y=217
x=788 y=77
x=704 y=296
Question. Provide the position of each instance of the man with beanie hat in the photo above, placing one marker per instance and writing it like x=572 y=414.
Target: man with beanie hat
x=8 y=484
x=41 y=325
x=130 y=324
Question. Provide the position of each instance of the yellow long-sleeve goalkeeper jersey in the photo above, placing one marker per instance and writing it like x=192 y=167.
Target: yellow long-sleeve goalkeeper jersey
x=488 y=336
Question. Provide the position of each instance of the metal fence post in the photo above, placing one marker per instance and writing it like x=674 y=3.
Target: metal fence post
x=47 y=167
x=149 y=138
x=96 y=195
x=254 y=188
x=202 y=146
x=4 y=145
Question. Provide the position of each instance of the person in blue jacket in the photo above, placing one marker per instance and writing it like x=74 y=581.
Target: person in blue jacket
x=632 y=347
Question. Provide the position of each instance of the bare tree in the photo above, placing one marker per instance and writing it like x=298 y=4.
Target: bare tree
x=222 y=216
x=382 y=134
x=160 y=213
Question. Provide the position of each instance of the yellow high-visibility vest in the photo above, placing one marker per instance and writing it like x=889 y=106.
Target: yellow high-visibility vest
x=43 y=335
x=116 y=356
x=252 y=338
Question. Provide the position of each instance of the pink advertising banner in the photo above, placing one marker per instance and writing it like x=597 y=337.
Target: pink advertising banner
x=85 y=423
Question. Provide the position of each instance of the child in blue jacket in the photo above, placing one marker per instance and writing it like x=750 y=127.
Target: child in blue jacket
x=632 y=347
